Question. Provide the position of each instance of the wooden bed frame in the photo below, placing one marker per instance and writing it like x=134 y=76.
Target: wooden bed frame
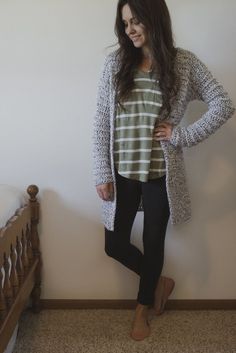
x=19 y=241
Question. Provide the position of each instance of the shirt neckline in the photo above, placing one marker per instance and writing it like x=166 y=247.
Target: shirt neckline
x=144 y=72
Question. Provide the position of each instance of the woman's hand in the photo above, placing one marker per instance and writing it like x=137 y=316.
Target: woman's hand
x=105 y=191
x=163 y=131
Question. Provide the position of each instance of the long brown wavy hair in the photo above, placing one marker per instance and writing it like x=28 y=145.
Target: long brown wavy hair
x=155 y=17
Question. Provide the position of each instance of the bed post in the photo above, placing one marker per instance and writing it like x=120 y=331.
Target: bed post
x=34 y=205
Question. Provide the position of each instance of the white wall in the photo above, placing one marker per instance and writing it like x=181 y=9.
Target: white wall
x=51 y=55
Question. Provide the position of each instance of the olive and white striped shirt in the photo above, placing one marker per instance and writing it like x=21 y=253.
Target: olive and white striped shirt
x=136 y=154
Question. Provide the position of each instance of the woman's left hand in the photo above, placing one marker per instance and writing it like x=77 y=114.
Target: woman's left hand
x=163 y=131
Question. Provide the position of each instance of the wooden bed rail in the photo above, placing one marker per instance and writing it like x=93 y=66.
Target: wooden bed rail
x=19 y=242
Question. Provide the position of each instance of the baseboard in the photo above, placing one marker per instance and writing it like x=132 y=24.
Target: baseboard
x=130 y=304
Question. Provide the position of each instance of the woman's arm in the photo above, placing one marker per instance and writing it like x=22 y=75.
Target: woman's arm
x=101 y=129
x=220 y=107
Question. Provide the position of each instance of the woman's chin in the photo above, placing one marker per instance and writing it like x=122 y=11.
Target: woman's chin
x=138 y=45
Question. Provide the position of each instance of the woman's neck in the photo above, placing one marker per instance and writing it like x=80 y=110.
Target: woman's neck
x=147 y=59
x=146 y=52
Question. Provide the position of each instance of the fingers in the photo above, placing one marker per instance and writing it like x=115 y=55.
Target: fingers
x=162 y=131
x=104 y=195
x=105 y=191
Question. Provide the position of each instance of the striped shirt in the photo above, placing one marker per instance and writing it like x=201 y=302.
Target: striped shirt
x=136 y=154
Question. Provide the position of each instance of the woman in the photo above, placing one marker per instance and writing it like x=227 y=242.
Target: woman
x=143 y=92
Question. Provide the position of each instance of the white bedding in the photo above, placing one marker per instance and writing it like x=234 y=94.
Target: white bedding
x=11 y=198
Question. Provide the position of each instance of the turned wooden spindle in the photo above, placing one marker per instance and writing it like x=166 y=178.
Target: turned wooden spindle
x=3 y=306
x=19 y=265
x=7 y=288
x=36 y=292
x=14 y=276
x=29 y=245
x=25 y=260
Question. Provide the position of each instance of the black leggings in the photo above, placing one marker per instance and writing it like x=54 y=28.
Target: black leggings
x=156 y=214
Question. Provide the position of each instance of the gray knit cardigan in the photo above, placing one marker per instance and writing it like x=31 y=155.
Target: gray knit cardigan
x=196 y=82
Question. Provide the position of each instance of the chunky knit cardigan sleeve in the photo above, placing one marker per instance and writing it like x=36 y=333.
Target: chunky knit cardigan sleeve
x=220 y=108
x=101 y=127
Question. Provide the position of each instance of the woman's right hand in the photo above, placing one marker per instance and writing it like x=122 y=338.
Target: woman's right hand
x=106 y=191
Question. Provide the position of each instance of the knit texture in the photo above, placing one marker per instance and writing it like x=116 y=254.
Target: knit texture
x=195 y=82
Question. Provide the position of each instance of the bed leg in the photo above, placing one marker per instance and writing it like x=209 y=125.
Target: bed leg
x=36 y=292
